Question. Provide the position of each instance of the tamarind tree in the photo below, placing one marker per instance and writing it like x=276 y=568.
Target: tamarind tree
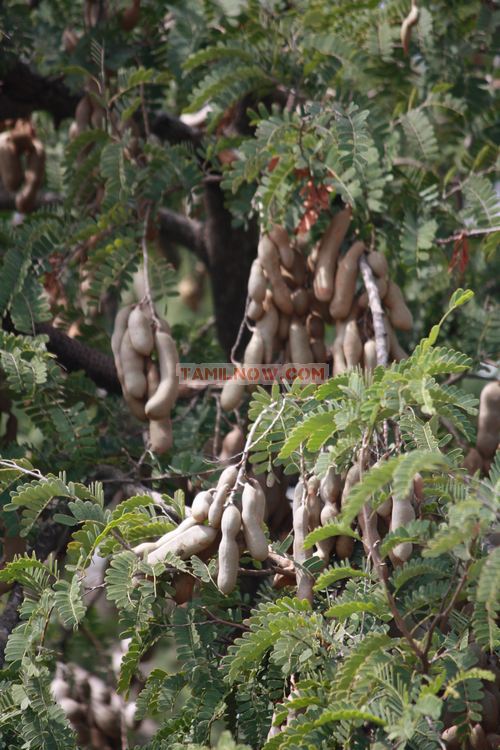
x=294 y=565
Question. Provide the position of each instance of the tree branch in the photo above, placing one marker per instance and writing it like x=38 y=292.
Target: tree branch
x=8 y=200
x=175 y=227
x=172 y=129
x=376 y=311
x=22 y=91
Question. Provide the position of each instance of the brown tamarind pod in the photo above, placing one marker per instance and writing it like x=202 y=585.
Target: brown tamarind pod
x=189 y=542
x=397 y=310
x=402 y=514
x=136 y=406
x=299 y=343
x=313 y=503
x=300 y=301
x=229 y=553
x=395 y=349
x=232 y=445
x=318 y=349
x=330 y=488
x=34 y=171
x=326 y=547
x=284 y=327
x=217 y=506
x=201 y=505
x=450 y=738
x=11 y=173
x=160 y=435
x=120 y=326
x=489 y=711
x=407 y=25
x=83 y=113
x=478 y=739
x=385 y=509
x=147 y=547
x=253 y=504
x=327 y=255
x=344 y=547
x=269 y=258
x=473 y=461
x=353 y=476
x=345 y=282
x=279 y=236
x=152 y=377
x=255 y=310
x=161 y=402
x=257 y=284
x=233 y=390
x=352 y=344
x=130 y=16
x=300 y=554
x=378 y=263
x=299 y=268
x=183 y=584
x=267 y=326
x=339 y=360
x=140 y=331
x=69 y=40
x=488 y=428
x=228 y=476
x=315 y=326
x=134 y=379
x=369 y=355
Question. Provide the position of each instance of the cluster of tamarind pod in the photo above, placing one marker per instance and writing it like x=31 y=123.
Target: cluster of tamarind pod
x=149 y=386
x=96 y=713
x=291 y=298
x=488 y=430
x=22 y=162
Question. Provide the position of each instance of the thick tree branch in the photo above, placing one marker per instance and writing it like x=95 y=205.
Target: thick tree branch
x=175 y=227
x=22 y=91
x=376 y=311
x=172 y=129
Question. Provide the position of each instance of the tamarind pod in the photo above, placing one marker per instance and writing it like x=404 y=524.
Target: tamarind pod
x=183 y=584
x=141 y=334
x=300 y=554
x=299 y=268
x=298 y=496
x=255 y=310
x=450 y=738
x=328 y=251
x=229 y=553
x=186 y=544
x=73 y=131
x=488 y=429
x=382 y=286
x=230 y=522
x=339 y=361
x=385 y=509
x=130 y=16
x=217 y=507
x=59 y=688
x=269 y=258
x=279 y=236
x=34 y=171
x=267 y=326
x=319 y=308
x=318 y=349
x=369 y=355
x=313 y=503
x=345 y=282
x=378 y=263
x=315 y=326
x=254 y=351
x=326 y=547
x=406 y=27
x=161 y=402
x=299 y=343
x=402 y=514
x=97 y=118
x=395 y=349
x=330 y=487
x=284 y=326
x=232 y=445
x=228 y=476
x=152 y=377
x=352 y=345
x=232 y=395
x=201 y=505
x=493 y=741
x=253 y=504
x=186 y=524
x=352 y=478
x=69 y=40
x=73 y=710
x=257 y=284
x=289 y=279
x=397 y=310
x=344 y=547
x=134 y=379
x=300 y=301
x=136 y=406
x=160 y=435
x=83 y=113
x=473 y=461
x=489 y=711
x=11 y=173
x=478 y=739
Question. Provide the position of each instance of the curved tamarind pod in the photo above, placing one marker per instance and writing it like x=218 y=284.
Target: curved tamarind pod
x=257 y=284
x=134 y=379
x=34 y=171
x=130 y=16
x=141 y=333
x=315 y=326
x=298 y=496
x=395 y=349
x=279 y=236
x=369 y=355
x=270 y=261
x=201 y=505
x=284 y=327
x=228 y=476
x=83 y=113
x=344 y=547
x=473 y=461
x=299 y=268
x=319 y=308
x=135 y=405
x=120 y=326
x=160 y=404
x=397 y=310
x=330 y=487
x=488 y=430
x=152 y=377
x=253 y=505
x=352 y=478
x=402 y=513
x=232 y=395
x=406 y=27
x=339 y=361
x=318 y=349
x=11 y=173
x=299 y=343
x=345 y=282
x=378 y=263
x=186 y=524
x=232 y=445
x=327 y=255
x=300 y=301
x=382 y=286
x=186 y=544
x=160 y=435
x=229 y=552
x=255 y=310
x=352 y=344
x=267 y=326
x=183 y=584
x=300 y=554
x=254 y=351
x=385 y=509
x=217 y=507
x=313 y=503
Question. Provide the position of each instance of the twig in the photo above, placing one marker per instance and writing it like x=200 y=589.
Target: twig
x=242 y=327
x=145 y=261
x=467 y=233
x=376 y=311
